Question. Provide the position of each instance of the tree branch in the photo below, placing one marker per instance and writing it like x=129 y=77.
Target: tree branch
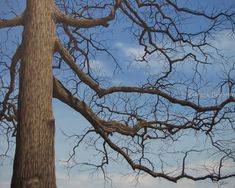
x=199 y=13
x=103 y=128
x=135 y=166
x=65 y=96
x=154 y=91
x=87 y=23
x=18 y=20
x=15 y=60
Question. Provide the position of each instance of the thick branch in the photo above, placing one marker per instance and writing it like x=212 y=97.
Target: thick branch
x=12 y=22
x=65 y=96
x=102 y=92
x=87 y=23
x=103 y=128
x=135 y=166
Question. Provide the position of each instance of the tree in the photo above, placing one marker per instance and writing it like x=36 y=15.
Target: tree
x=160 y=112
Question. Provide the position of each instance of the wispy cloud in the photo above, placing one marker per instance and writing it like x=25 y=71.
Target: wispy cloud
x=132 y=53
x=100 y=68
x=82 y=179
x=225 y=41
x=130 y=181
x=105 y=71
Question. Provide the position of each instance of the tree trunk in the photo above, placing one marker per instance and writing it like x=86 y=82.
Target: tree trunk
x=34 y=158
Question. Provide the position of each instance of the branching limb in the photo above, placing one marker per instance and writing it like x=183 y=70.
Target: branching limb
x=154 y=91
x=135 y=166
x=87 y=23
x=200 y=13
x=65 y=96
x=104 y=127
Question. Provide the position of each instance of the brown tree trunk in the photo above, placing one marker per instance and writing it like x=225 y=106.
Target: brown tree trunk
x=34 y=158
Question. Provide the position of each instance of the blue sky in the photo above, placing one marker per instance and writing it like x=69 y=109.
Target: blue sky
x=69 y=121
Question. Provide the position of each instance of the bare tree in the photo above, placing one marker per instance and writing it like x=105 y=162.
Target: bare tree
x=149 y=124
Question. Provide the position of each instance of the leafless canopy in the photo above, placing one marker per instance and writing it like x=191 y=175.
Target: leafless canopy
x=175 y=113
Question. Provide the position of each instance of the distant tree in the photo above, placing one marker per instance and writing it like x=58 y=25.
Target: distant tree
x=149 y=124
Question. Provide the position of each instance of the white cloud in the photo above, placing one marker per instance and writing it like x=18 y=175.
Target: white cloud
x=225 y=41
x=82 y=179
x=100 y=68
x=103 y=70
x=131 y=51
x=78 y=180
x=146 y=181
x=153 y=65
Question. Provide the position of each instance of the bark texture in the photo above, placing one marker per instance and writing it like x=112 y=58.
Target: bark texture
x=34 y=158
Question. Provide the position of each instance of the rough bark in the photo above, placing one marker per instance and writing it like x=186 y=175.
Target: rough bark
x=34 y=158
